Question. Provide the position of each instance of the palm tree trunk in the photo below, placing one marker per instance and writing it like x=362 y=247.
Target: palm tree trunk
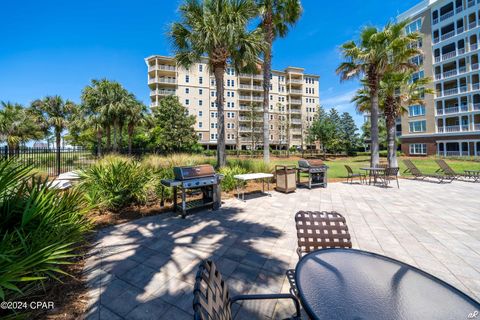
x=99 y=141
x=130 y=135
x=219 y=71
x=267 y=70
x=115 y=144
x=109 y=137
x=58 y=139
x=374 y=147
x=392 y=151
x=120 y=137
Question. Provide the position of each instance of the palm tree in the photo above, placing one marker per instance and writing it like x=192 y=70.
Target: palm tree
x=17 y=125
x=369 y=59
x=134 y=117
x=217 y=29
x=55 y=113
x=276 y=17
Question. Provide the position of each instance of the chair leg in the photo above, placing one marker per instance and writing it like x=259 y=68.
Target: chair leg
x=398 y=184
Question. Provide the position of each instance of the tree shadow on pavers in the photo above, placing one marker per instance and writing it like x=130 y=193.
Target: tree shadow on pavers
x=146 y=268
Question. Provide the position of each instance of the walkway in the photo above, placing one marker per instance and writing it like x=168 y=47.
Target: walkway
x=145 y=269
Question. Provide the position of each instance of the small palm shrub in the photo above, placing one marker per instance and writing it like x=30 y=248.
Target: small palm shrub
x=115 y=182
x=229 y=182
x=39 y=227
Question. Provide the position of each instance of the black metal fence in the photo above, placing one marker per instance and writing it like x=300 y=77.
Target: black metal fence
x=49 y=161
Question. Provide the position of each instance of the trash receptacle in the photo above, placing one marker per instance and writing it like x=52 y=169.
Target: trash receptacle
x=286 y=179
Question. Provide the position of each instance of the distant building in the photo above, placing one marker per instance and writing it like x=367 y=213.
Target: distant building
x=449 y=123
x=294 y=100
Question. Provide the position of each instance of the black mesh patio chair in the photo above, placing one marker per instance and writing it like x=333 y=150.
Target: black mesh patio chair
x=417 y=174
x=390 y=174
x=351 y=175
x=318 y=230
x=211 y=298
x=382 y=165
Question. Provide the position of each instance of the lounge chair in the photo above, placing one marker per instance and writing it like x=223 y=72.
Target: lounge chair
x=417 y=174
x=446 y=169
x=211 y=298
x=351 y=175
x=390 y=174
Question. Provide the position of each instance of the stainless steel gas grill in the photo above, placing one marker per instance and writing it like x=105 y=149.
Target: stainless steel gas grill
x=316 y=170
x=195 y=181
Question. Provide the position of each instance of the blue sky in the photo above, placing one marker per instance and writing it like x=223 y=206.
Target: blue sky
x=56 y=46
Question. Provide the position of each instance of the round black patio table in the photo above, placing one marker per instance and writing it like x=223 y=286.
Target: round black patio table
x=354 y=284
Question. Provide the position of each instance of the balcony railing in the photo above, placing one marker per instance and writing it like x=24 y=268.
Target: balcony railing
x=451 y=110
x=296 y=91
x=472 y=25
x=452 y=153
x=295 y=80
x=473 y=46
x=447 y=15
x=162 y=92
x=476 y=106
x=475 y=86
x=296 y=111
x=449 y=92
x=474 y=66
x=448 y=35
x=296 y=121
x=162 y=67
x=476 y=127
x=254 y=76
x=295 y=101
x=471 y=3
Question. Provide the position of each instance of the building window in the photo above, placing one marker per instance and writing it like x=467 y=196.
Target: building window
x=200 y=136
x=200 y=67
x=212 y=93
x=418 y=148
x=200 y=102
x=418 y=126
x=200 y=91
x=200 y=113
x=416 y=110
x=200 y=124
x=187 y=78
x=187 y=102
x=414 y=26
x=187 y=90
x=200 y=80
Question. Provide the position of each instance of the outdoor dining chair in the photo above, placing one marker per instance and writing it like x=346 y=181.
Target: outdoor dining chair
x=351 y=175
x=318 y=230
x=390 y=174
x=211 y=298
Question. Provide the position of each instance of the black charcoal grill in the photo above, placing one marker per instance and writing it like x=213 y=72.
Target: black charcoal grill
x=196 y=180
x=316 y=170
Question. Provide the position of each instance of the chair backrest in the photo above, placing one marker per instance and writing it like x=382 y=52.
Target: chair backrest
x=211 y=299
x=445 y=167
x=321 y=229
x=391 y=172
x=412 y=168
x=382 y=165
x=349 y=169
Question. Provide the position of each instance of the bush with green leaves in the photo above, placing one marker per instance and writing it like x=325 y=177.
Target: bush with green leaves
x=229 y=183
x=40 y=229
x=116 y=182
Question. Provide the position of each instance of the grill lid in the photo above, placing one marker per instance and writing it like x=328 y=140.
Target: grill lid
x=185 y=173
x=303 y=163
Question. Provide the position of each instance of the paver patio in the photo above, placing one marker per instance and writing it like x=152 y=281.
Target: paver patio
x=145 y=269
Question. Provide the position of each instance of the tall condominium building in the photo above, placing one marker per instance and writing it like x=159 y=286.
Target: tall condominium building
x=449 y=123
x=294 y=100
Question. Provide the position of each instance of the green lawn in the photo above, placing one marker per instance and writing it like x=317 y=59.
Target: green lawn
x=427 y=165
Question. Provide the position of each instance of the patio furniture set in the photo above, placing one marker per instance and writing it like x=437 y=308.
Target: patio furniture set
x=381 y=174
x=334 y=281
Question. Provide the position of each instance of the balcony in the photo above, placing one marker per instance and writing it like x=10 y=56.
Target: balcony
x=472 y=25
x=296 y=111
x=474 y=66
x=470 y=3
x=154 y=104
x=300 y=81
x=254 y=76
x=475 y=86
x=295 y=101
x=449 y=129
x=447 y=35
x=162 y=80
x=476 y=127
x=447 y=15
x=162 y=92
x=476 y=107
x=296 y=91
x=473 y=46
x=162 y=67
x=296 y=121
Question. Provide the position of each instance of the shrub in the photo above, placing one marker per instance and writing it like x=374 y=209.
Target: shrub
x=252 y=166
x=115 y=182
x=40 y=228
x=229 y=182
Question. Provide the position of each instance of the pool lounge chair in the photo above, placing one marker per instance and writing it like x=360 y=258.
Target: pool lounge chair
x=417 y=174
x=446 y=169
